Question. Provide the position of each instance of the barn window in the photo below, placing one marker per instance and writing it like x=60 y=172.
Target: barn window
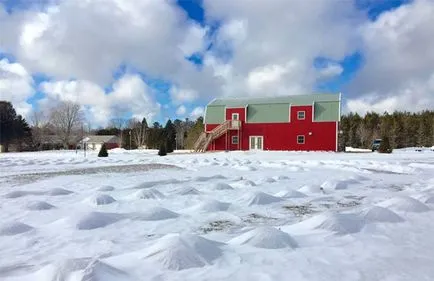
x=235 y=116
x=300 y=139
x=234 y=139
x=301 y=115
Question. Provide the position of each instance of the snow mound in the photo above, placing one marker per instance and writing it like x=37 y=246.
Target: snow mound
x=106 y=188
x=158 y=213
x=222 y=186
x=335 y=222
x=429 y=200
x=149 y=194
x=189 y=191
x=101 y=199
x=245 y=183
x=261 y=198
x=290 y=194
x=311 y=189
x=404 y=204
x=82 y=269
x=21 y=193
x=380 y=214
x=281 y=177
x=337 y=184
x=95 y=220
x=265 y=237
x=269 y=180
x=59 y=192
x=14 y=228
x=211 y=206
x=99 y=271
x=39 y=206
x=178 y=252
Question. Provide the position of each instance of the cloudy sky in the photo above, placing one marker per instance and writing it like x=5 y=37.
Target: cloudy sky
x=164 y=59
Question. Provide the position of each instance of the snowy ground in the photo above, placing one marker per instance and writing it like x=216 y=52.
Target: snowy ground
x=218 y=216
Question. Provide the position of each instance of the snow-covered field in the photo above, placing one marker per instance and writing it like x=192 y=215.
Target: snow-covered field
x=217 y=216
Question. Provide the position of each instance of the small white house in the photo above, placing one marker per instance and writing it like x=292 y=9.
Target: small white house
x=95 y=142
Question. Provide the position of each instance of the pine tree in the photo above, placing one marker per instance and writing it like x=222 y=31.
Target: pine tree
x=162 y=151
x=103 y=151
x=385 y=146
x=170 y=136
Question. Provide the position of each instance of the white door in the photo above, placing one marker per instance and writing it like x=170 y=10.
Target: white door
x=256 y=142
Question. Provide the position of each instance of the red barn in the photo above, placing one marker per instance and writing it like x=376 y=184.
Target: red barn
x=302 y=122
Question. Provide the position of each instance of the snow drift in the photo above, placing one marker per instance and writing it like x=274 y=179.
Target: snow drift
x=39 y=206
x=221 y=186
x=265 y=237
x=334 y=222
x=157 y=213
x=14 y=228
x=260 y=198
x=290 y=194
x=151 y=193
x=93 y=220
x=59 y=192
x=178 y=252
x=211 y=206
x=380 y=214
x=404 y=204
x=101 y=199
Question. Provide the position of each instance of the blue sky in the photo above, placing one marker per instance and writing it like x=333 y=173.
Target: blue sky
x=351 y=64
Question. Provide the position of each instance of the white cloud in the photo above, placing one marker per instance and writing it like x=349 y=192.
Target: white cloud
x=272 y=44
x=399 y=55
x=197 y=112
x=88 y=40
x=330 y=70
x=16 y=86
x=129 y=94
x=181 y=110
x=179 y=96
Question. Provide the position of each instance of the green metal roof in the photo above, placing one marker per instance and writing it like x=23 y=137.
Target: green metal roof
x=293 y=100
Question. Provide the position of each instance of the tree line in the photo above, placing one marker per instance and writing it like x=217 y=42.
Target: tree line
x=64 y=126
x=403 y=129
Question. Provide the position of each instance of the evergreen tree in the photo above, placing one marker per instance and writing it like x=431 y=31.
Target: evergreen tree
x=103 y=151
x=385 y=145
x=13 y=127
x=162 y=151
x=170 y=136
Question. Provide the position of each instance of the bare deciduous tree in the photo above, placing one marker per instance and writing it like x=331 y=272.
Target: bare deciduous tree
x=66 y=117
x=119 y=123
x=138 y=131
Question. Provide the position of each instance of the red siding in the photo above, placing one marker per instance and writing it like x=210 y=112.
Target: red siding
x=281 y=136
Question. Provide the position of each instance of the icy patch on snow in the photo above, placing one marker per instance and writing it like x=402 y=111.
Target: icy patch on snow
x=404 y=204
x=39 y=206
x=59 y=192
x=222 y=186
x=265 y=237
x=334 y=222
x=101 y=199
x=21 y=193
x=290 y=194
x=260 y=198
x=95 y=220
x=14 y=228
x=149 y=194
x=380 y=214
x=211 y=206
x=311 y=189
x=189 y=191
x=157 y=213
x=179 y=252
x=106 y=188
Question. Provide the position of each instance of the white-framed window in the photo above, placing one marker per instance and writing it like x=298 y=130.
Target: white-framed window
x=300 y=139
x=235 y=116
x=234 y=139
x=301 y=115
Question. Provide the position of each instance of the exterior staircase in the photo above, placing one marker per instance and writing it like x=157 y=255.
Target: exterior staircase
x=202 y=143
